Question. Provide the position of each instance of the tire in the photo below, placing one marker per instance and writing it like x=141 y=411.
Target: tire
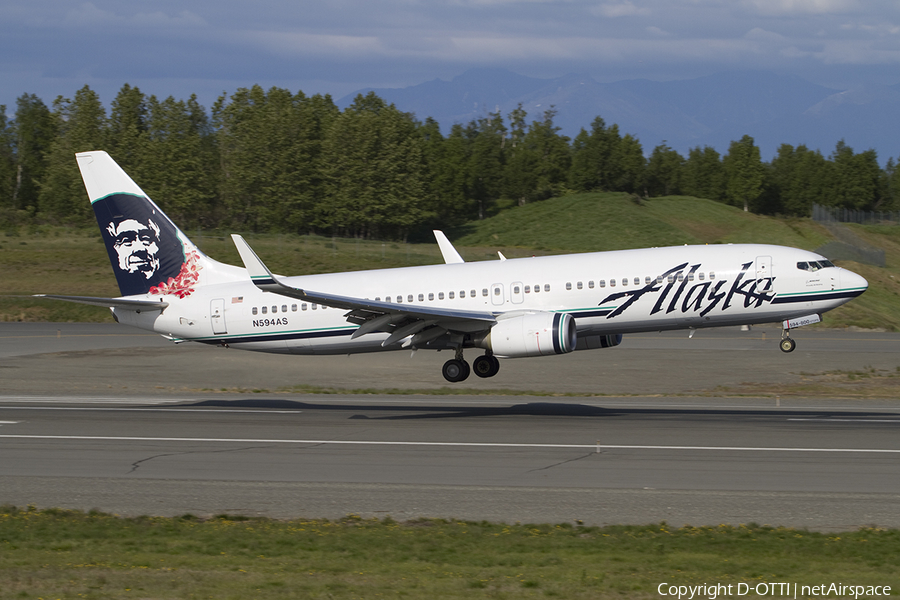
x=455 y=370
x=788 y=345
x=483 y=366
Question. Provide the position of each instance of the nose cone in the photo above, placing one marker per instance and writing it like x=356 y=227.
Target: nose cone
x=854 y=283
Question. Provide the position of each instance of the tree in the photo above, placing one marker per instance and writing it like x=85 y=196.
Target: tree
x=34 y=131
x=854 y=180
x=126 y=129
x=629 y=156
x=744 y=173
x=595 y=158
x=664 y=171
x=796 y=179
x=703 y=175
x=7 y=166
x=486 y=161
x=81 y=124
x=446 y=163
x=375 y=169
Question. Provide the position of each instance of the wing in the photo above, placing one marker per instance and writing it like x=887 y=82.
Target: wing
x=424 y=323
x=136 y=305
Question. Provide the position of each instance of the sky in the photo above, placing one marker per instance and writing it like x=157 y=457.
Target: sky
x=210 y=47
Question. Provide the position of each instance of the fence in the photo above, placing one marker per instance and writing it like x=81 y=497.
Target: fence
x=828 y=214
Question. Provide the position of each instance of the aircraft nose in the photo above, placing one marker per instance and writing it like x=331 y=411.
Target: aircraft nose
x=854 y=282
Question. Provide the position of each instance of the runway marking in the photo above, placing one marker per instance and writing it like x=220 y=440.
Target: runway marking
x=847 y=420
x=177 y=410
x=94 y=438
x=91 y=400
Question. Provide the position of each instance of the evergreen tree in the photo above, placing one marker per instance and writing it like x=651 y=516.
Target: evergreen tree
x=35 y=131
x=126 y=129
x=81 y=124
x=854 y=180
x=486 y=162
x=744 y=173
x=797 y=179
x=630 y=174
x=595 y=158
x=703 y=175
x=664 y=171
x=446 y=160
x=179 y=166
x=375 y=167
x=7 y=167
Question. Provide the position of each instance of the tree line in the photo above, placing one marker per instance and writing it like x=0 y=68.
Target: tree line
x=275 y=161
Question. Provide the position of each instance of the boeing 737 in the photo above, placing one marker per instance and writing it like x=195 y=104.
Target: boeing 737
x=506 y=308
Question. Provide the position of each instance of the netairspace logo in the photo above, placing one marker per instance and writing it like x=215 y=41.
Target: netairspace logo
x=777 y=590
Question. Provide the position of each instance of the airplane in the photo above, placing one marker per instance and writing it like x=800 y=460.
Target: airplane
x=507 y=308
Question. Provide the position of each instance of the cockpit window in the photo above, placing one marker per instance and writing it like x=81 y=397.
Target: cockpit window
x=814 y=265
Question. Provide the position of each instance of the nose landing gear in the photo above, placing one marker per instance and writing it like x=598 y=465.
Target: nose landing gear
x=787 y=344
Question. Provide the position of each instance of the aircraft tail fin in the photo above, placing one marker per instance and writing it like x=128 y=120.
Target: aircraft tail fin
x=148 y=253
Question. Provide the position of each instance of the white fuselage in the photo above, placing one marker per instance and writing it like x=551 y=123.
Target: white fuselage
x=617 y=292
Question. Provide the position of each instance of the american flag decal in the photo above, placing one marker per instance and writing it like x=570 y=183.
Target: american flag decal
x=237 y=299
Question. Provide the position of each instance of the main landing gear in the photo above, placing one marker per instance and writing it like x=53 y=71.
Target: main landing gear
x=457 y=369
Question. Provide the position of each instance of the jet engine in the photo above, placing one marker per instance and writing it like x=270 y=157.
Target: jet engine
x=531 y=334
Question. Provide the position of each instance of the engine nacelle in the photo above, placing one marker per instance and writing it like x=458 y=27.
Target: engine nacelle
x=532 y=334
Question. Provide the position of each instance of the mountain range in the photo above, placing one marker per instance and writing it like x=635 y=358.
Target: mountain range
x=706 y=111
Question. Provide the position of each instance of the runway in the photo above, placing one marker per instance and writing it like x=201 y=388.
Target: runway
x=120 y=444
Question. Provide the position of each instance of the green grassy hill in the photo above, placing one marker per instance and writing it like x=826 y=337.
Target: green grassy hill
x=60 y=261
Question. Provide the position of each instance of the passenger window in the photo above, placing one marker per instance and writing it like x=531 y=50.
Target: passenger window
x=602 y=283
x=712 y=275
x=462 y=293
x=591 y=284
x=387 y=298
x=314 y=307
x=690 y=276
x=516 y=289
x=264 y=310
x=497 y=291
x=399 y=299
x=680 y=277
x=612 y=283
x=409 y=298
x=671 y=279
x=293 y=308
x=483 y=292
x=303 y=306
x=254 y=311
x=579 y=285
x=421 y=297
x=431 y=295
x=700 y=275
x=568 y=285
x=537 y=289
x=527 y=289
x=659 y=279
x=284 y=308
x=624 y=282
x=637 y=281
x=451 y=295
x=546 y=287
x=440 y=295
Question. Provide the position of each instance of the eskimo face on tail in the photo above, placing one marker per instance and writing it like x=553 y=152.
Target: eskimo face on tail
x=145 y=249
x=137 y=246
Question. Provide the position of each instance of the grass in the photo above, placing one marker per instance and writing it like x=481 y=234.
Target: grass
x=73 y=261
x=69 y=554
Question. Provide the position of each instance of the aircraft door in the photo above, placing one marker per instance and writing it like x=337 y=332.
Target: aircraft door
x=764 y=273
x=217 y=315
x=497 y=298
x=515 y=292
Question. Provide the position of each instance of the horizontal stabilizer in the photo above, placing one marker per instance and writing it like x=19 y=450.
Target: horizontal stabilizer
x=137 y=305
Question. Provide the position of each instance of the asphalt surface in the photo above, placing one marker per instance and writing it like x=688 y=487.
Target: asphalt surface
x=101 y=416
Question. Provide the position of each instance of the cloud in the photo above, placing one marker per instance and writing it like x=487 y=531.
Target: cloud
x=622 y=9
x=803 y=7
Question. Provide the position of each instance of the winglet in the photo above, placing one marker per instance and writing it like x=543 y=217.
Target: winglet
x=259 y=273
x=451 y=256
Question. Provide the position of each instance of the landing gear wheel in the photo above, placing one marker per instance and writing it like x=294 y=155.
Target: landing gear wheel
x=788 y=345
x=486 y=366
x=455 y=370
